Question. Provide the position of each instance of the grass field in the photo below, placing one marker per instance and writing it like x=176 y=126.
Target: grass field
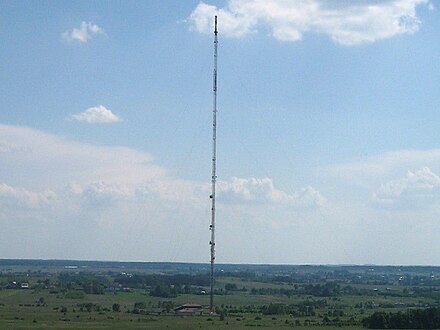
x=20 y=309
x=69 y=306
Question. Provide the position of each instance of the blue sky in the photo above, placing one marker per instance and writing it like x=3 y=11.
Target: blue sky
x=328 y=143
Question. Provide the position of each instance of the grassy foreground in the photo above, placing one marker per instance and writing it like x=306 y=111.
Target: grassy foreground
x=90 y=295
x=25 y=309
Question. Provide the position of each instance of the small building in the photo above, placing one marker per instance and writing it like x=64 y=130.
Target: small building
x=189 y=310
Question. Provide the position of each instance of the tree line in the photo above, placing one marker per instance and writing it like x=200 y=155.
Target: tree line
x=410 y=319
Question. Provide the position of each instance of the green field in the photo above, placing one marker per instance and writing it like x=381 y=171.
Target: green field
x=246 y=296
x=20 y=309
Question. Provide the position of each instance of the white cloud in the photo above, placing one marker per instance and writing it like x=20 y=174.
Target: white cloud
x=69 y=199
x=101 y=192
x=417 y=188
x=46 y=160
x=84 y=33
x=407 y=180
x=100 y=188
x=99 y=114
x=262 y=191
x=346 y=22
x=90 y=175
x=14 y=198
x=107 y=175
x=371 y=171
x=78 y=199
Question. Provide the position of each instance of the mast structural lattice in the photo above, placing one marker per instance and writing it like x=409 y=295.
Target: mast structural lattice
x=214 y=176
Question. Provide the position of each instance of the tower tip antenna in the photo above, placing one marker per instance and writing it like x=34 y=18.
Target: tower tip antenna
x=215 y=24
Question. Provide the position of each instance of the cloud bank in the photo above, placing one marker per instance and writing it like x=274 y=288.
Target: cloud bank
x=262 y=191
x=105 y=202
x=374 y=170
x=419 y=188
x=345 y=22
x=19 y=198
x=103 y=194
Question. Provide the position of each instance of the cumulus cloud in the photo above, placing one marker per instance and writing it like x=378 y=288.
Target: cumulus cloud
x=345 y=22
x=262 y=191
x=421 y=186
x=101 y=191
x=84 y=33
x=369 y=172
x=100 y=188
x=16 y=197
x=99 y=114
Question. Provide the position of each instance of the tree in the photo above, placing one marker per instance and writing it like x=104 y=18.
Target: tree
x=116 y=308
x=168 y=305
x=231 y=287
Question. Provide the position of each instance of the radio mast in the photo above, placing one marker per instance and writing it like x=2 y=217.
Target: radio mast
x=214 y=176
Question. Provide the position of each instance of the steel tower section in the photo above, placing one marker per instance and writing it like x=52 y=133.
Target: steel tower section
x=214 y=176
